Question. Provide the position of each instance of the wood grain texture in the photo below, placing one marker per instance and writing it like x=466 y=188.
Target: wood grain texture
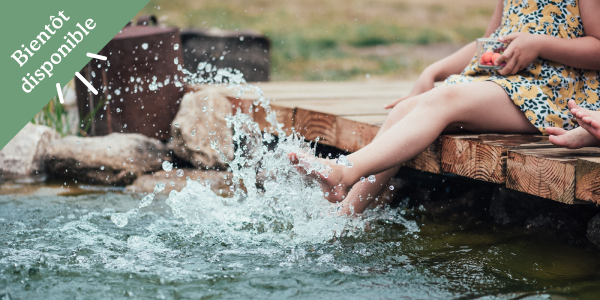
x=312 y=125
x=352 y=135
x=548 y=173
x=429 y=160
x=587 y=179
x=284 y=115
x=241 y=105
x=483 y=157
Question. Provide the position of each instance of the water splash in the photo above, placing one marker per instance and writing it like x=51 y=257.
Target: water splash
x=271 y=200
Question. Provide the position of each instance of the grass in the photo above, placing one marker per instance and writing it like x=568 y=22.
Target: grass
x=55 y=116
x=325 y=40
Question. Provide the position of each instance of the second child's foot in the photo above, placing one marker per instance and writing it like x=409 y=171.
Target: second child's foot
x=330 y=180
x=572 y=139
x=589 y=120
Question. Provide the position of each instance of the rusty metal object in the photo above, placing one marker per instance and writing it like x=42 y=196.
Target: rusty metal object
x=246 y=51
x=135 y=55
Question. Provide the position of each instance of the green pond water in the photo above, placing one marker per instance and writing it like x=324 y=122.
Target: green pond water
x=60 y=243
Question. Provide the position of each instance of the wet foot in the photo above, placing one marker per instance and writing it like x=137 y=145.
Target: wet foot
x=330 y=179
x=589 y=120
x=572 y=139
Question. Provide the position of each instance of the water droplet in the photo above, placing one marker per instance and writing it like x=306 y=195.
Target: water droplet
x=391 y=187
x=194 y=132
x=180 y=173
x=326 y=194
x=145 y=46
x=102 y=168
x=231 y=188
x=108 y=148
x=159 y=187
x=118 y=110
x=167 y=166
x=203 y=108
x=176 y=60
x=241 y=38
x=176 y=125
x=172 y=183
x=119 y=219
x=222 y=57
x=371 y=178
x=342 y=160
x=176 y=47
x=146 y=200
x=362 y=179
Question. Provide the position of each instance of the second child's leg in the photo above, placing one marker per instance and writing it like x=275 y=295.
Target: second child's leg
x=478 y=107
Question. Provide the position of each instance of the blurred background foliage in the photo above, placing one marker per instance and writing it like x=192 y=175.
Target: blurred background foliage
x=341 y=39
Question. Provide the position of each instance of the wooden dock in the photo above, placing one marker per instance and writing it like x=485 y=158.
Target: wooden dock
x=347 y=115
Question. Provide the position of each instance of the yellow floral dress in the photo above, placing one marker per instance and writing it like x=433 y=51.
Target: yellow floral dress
x=543 y=89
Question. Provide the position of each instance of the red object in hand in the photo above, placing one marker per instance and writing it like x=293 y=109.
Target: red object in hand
x=495 y=56
x=487 y=57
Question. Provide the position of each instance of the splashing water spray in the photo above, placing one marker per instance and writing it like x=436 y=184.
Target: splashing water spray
x=288 y=207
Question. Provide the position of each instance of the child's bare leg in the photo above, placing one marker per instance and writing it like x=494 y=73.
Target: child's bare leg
x=480 y=107
x=363 y=193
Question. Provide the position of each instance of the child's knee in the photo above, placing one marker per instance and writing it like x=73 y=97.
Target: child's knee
x=444 y=96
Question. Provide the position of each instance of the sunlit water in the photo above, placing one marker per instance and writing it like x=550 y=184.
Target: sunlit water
x=275 y=238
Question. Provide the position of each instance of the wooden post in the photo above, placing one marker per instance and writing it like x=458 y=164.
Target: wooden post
x=483 y=157
x=548 y=173
x=587 y=179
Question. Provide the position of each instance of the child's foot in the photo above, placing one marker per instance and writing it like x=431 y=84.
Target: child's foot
x=572 y=139
x=331 y=182
x=589 y=120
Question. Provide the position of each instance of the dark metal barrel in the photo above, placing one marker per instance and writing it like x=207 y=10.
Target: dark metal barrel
x=138 y=56
x=246 y=51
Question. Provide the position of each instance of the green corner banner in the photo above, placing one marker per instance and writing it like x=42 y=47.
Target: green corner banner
x=44 y=42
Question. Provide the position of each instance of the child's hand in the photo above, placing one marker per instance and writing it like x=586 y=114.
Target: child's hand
x=523 y=49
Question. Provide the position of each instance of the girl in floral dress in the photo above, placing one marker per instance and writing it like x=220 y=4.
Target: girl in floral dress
x=553 y=57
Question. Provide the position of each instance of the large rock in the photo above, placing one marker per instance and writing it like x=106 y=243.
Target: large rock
x=176 y=180
x=200 y=120
x=24 y=154
x=116 y=159
x=593 y=230
x=508 y=207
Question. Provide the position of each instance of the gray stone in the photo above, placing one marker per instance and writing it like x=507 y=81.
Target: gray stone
x=219 y=181
x=593 y=230
x=201 y=120
x=116 y=159
x=24 y=155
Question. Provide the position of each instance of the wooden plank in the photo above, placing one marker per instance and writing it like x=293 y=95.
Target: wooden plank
x=285 y=115
x=345 y=107
x=312 y=125
x=428 y=160
x=367 y=119
x=548 y=173
x=483 y=157
x=241 y=105
x=311 y=91
x=353 y=134
x=587 y=179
